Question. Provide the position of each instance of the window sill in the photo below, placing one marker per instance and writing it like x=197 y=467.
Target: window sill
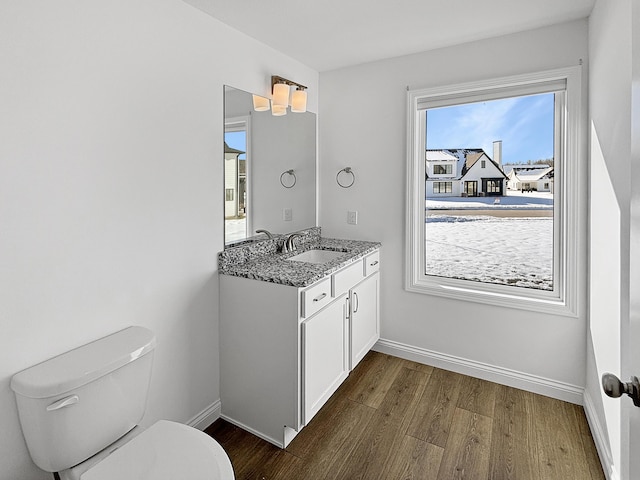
x=495 y=295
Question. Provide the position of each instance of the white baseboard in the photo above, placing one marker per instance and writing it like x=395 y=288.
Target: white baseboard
x=258 y=434
x=599 y=438
x=206 y=417
x=512 y=378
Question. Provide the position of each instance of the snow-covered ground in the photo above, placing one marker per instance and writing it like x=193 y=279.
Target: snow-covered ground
x=513 y=200
x=515 y=251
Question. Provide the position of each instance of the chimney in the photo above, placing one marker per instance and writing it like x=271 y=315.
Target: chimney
x=497 y=152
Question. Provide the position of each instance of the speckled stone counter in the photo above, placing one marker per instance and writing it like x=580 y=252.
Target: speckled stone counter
x=263 y=261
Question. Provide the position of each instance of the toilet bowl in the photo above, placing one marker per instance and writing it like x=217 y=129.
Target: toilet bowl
x=80 y=414
x=165 y=451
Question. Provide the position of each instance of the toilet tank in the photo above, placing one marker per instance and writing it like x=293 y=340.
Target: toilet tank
x=76 y=404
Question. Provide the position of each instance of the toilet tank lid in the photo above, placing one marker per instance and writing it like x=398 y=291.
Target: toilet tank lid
x=84 y=364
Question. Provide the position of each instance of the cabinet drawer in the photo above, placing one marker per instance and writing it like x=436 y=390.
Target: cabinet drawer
x=372 y=263
x=316 y=297
x=347 y=278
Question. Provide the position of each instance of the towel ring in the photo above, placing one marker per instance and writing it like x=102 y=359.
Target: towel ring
x=348 y=171
x=291 y=174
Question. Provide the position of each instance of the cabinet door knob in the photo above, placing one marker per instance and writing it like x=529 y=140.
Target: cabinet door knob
x=319 y=297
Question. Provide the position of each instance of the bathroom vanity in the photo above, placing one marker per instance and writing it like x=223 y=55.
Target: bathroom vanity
x=292 y=327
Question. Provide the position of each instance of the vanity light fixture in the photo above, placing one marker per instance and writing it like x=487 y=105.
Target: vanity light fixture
x=280 y=101
x=260 y=104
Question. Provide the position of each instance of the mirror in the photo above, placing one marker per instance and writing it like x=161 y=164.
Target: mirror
x=269 y=170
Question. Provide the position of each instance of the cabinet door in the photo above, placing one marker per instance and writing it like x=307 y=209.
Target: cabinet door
x=324 y=356
x=365 y=318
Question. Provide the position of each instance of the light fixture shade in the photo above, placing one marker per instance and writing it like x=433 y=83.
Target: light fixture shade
x=278 y=110
x=281 y=95
x=260 y=104
x=299 y=101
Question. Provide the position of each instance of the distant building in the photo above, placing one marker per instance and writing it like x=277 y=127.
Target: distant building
x=464 y=172
x=235 y=179
x=529 y=178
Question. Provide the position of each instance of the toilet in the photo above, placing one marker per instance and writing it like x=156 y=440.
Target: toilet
x=80 y=412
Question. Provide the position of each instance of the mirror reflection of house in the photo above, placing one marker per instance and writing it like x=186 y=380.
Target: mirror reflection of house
x=235 y=183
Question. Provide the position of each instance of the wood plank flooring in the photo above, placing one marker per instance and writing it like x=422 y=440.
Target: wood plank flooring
x=396 y=419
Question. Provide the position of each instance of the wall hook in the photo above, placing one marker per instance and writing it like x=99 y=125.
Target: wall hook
x=346 y=184
x=291 y=182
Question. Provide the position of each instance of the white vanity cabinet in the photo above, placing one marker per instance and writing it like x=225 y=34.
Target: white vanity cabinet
x=325 y=356
x=364 y=330
x=285 y=350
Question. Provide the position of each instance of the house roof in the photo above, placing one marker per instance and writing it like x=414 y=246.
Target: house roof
x=465 y=157
x=228 y=149
x=523 y=167
x=439 y=156
x=533 y=175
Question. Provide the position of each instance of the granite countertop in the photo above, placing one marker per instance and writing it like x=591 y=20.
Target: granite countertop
x=271 y=266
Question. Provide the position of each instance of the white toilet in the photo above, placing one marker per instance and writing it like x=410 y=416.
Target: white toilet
x=79 y=414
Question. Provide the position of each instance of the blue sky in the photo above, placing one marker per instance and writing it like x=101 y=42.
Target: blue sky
x=238 y=141
x=524 y=124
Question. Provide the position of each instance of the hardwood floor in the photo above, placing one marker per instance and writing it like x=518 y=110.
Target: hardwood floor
x=396 y=419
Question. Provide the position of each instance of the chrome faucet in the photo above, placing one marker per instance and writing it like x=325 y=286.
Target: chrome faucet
x=266 y=232
x=290 y=243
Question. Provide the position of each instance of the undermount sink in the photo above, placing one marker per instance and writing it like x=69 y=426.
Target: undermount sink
x=316 y=256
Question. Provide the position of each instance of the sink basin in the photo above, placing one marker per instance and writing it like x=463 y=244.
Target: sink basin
x=316 y=256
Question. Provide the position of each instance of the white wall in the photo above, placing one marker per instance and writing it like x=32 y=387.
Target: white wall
x=363 y=123
x=111 y=203
x=610 y=151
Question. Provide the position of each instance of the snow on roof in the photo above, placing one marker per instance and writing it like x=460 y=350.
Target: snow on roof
x=458 y=155
x=523 y=167
x=465 y=158
x=533 y=174
x=440 y=156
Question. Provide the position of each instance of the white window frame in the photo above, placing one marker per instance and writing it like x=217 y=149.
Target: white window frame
x=239 y=124
x=563 y=300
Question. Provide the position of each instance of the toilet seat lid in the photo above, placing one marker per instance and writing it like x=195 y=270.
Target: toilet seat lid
x=165 y=451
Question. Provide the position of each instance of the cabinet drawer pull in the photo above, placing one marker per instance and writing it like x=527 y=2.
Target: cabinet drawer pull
x=373 y=264
x=319 y=297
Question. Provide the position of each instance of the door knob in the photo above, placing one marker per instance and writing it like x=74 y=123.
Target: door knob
x=614 y=388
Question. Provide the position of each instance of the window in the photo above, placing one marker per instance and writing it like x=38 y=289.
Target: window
x=559 y=296
x=442 y=169
x=442 y=187
x=471 y=188
x=493 y=186
x=483 y=164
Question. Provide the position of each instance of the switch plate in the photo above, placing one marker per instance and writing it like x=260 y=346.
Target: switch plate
x=352 y=218
x=287 y=214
